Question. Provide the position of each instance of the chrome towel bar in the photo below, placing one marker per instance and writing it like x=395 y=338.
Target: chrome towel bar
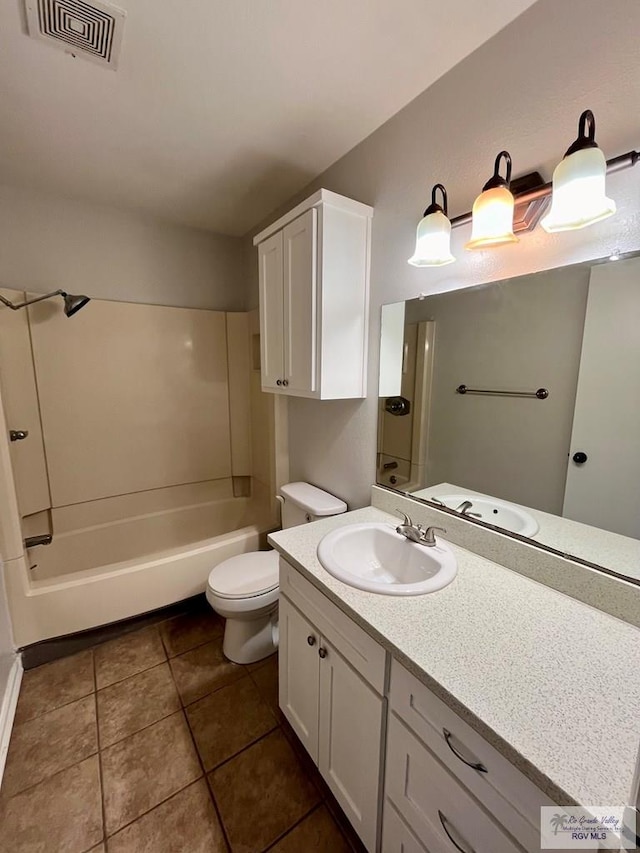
x=540 y=394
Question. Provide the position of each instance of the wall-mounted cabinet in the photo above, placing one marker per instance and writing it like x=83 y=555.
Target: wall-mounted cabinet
x=314 y=298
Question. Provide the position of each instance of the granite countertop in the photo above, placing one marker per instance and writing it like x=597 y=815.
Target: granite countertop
x=551 y=682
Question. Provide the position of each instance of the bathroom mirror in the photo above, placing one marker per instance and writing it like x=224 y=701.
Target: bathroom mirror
x=517 y=403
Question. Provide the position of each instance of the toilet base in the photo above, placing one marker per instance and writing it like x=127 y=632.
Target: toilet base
x=250 y=640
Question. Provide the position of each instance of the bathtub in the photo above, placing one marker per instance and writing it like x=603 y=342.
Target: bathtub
x=101 y=574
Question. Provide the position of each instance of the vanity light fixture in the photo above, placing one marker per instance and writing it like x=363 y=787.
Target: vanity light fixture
x=579 y=198
x=433 y=237
x=492 y=214
x=577 y=195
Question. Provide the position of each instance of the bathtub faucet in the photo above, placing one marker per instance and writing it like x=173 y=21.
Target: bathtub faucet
x=43 y=539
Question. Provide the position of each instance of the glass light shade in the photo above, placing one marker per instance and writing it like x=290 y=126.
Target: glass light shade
x=492 y=219
x=433 y=242
x=579 y=197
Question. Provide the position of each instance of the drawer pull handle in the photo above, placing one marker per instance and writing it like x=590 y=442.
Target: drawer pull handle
x=444 y=822
x=311 y=640
x=472 y=764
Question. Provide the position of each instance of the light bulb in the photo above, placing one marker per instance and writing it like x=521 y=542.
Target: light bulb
x=433 y=236
x=492 y=213
x=579 y=197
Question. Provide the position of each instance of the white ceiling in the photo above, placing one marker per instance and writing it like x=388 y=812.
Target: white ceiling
x=220 y=110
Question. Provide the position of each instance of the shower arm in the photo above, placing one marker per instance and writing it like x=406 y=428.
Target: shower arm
x=15 y=307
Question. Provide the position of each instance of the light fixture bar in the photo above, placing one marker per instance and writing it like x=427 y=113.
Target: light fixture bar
x=616 y=164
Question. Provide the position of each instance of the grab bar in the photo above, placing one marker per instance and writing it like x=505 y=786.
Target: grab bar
x=540 y=394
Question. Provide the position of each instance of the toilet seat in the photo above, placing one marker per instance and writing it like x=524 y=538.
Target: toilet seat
x=245 y=576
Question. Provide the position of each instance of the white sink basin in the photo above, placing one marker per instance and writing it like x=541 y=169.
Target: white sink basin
x=494 y=511
x=372 y=556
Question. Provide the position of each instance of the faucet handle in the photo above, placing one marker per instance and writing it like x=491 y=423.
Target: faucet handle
x=407 y=521
x=428 y=537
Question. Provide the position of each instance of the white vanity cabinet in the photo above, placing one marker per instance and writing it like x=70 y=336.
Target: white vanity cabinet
x=331 y=691
x=313 y=269
x=446 y=787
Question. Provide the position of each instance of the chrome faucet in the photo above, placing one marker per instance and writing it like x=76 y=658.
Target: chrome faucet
x=464 y=508
x=416 y=533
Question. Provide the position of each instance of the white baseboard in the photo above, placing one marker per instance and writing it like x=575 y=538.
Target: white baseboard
x=8 y=710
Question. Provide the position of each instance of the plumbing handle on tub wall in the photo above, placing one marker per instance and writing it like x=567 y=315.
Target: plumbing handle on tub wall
x=43 y=539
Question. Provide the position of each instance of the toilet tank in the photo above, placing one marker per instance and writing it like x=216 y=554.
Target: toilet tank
x=304 y=502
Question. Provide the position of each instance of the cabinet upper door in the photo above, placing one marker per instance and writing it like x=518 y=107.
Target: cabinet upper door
x=301 y=302
x=271 y=311
x=350 y=737
x=299 y=675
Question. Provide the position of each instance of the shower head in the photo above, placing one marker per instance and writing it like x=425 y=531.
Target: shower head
x=73 y=303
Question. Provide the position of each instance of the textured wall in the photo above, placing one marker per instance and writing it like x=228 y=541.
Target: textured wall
x=523 y=90
x=48 y=242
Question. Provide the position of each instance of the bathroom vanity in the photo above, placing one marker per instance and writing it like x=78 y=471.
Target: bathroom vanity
x=443 y=722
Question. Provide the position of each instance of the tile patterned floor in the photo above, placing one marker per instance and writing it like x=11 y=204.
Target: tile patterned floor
x=155 y=743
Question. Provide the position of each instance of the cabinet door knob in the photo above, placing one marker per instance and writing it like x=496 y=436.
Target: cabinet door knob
x=18 y=434
x=285 y=382
x=279 y=382
x=311 y=640
x=580 y=457
x=322 y=652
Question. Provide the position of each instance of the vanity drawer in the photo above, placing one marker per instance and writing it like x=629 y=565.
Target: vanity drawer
x=502 y=789
x=396 y=835
x=441 y=813
x=366 y=655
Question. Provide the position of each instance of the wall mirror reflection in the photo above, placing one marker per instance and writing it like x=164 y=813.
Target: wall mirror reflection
x=517 y=403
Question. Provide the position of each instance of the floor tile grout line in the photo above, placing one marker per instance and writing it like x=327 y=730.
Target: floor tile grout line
x=47 y=778
x=190 y=649
x=293 y=826
x=215 y=690
x=212 y=798
x=100 y=773
x=148 y=811
x=132 y=676
x=240 y=751
x=108 y=746
x=20 y=723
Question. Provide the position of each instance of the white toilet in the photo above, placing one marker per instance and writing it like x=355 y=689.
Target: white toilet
x=244 y=589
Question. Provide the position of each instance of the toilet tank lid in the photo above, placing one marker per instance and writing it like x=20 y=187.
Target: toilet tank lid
x=313 y=500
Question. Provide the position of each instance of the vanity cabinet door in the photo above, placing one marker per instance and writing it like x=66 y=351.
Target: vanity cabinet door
x=299 y=675
x=271 y=311
x=350 y=738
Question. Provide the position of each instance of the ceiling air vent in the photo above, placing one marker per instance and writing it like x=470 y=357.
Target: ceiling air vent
x=92 y=31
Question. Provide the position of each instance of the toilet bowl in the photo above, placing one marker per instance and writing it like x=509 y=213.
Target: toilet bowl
x=244 y=589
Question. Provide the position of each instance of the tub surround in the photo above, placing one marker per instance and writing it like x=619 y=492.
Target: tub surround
x=514 y=658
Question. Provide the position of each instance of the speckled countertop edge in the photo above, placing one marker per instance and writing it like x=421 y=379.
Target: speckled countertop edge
x=561 y=703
